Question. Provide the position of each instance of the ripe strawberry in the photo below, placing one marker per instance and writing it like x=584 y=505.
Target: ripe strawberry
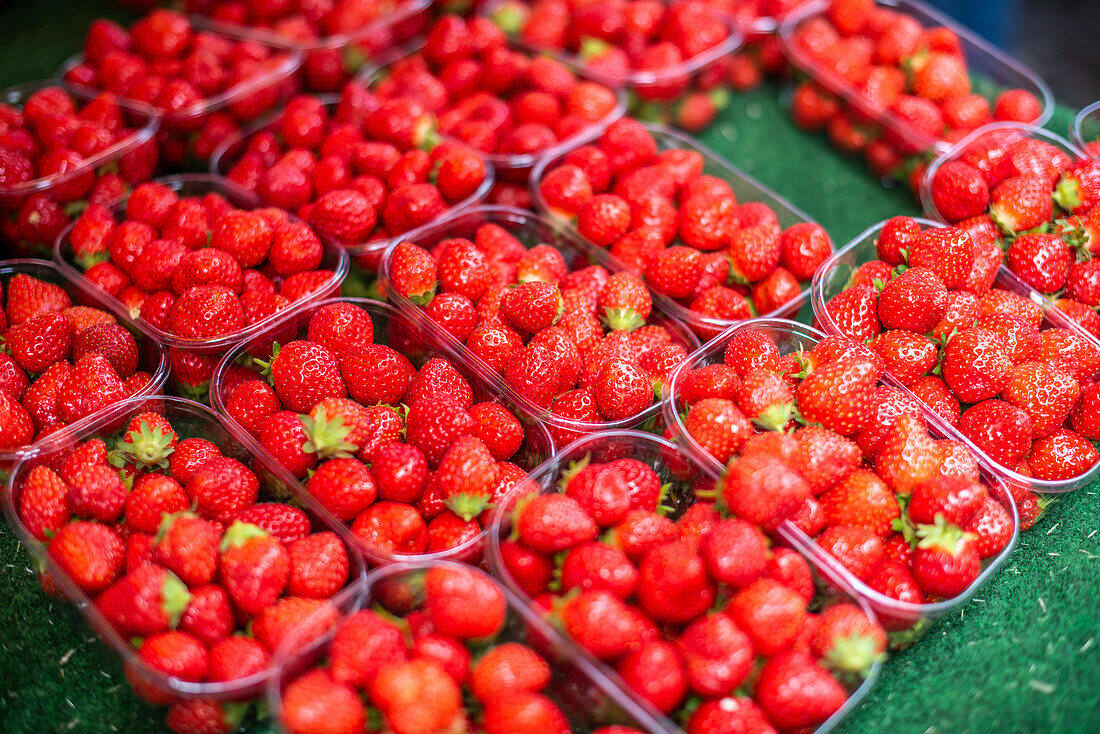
x=153 y=496
x=92 y=385
x=303 y=373
x=908 y=456
x=838 y=395
x=915 y=300
x=199 y=715
x=90 y=553
x=145 y=601
x=412 y=272
x=959 y=191
x=292 y=617
x=392 y=528
x=656 y=671
x=763 y=490
x=29 y=297
x=516 y=711
x=318 y=566
x=1042 y=261
x=976 y=365
x=463 y=603
x=344 y=215
x=728 y=715
x=1062 y=455
x=992 y=526
x=254 y=567
x=551 y=523
x=847 y=640
x=854 y=312
x=187 y=545
x=533 y=306
x=718 y=426
x=1045 y=393
x=374 y=373
x=862 y=499
x=719 y=655
x=1020 y=203
x=955 y=499
x=235 y=657
x=221 y=488
x=946 y=560
x=209 y=616
x=1086 y=414
x=770 y=613
x=854 y=547
x=804 y=246
x=673 y=585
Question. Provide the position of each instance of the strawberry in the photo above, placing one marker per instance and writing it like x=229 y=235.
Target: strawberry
x=959 y=191
x=203 y=715
x=188 y=546
x=915 y=300
x=153 y=496
x=1085 y=414
x=862 y=499
x=718 y=426
x=838 y=395
x=551 y=523
x=412 y=272
x=854 y=311
x=763 y=490
x=1020 y=203
x=673 y=586
x=856 y=548
x=318 y=566
x=90 y=553
x=954 y=498
x=465 y=475
x=42 y=501
x=908 y=455
x=622 y=390
x=303 y=373
x=847 y=640
x=463 y=603
x=908 y=356
x=392 y=528
x=601 y=623
x=254 y=567
x=1078 y=190
x=344 y=486
x=992 y=526
x=728 y=715
x=516 y=711
x=343 y=215
x=315 y=700
x=145 y=601
x=1042 y=261
x=656 y=671
x=1062 y=455
x=976 y=365
x=206 y=311
x=770 y=613
x=29 y=297
x=111 y=340
x=236 y=657
x=804 y=247
x=945 y=562
x=719 y=655
x=948 y=252
x=92 y=385
x=1045 y=393
x=209 y=616
x=39 y=342
x=601 y=492
x=221 y=488
x=533 y=306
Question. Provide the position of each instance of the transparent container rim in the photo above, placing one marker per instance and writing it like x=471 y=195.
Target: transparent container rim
x=495 y=212
x=1013 y=284
x=407 y=9
x=664 y=725
x=790 y=531
x=220 y=185
x=1077 y=129
x=389 y=312
x=87 y=291
x=221 y=162
x=106 y=633
x=924 y=13
x=373 y=73
x=231 y=95
x=730 y=172
x=17 y=94
x=956 y=150
x=632 y=79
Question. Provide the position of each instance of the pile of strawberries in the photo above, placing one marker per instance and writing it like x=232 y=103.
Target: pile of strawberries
x=1036 y=202
x=61 y=362
x=91 y=148
x=204 y=83
x=435 y=653
x=492 y=97
x=664 y=54
x=975 y=353
x=371 y=170
x=699 y=616
x=662 y=216
x=340 y=36
x=908 y=86
x=168 y=537
x=198 y=267
x=573 y=338
x=405 y=456
x=848 y=460
x=762 y=53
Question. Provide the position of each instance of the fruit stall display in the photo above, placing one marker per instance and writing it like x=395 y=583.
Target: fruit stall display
x=897 y=81
x=65 y=148
x=566 y=479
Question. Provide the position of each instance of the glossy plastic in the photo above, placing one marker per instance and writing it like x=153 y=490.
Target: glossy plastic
x=418 y=343
x=189 y=419
x=230 y=96
x=833 y=277
x=334 y=259
x=991 y=70
x=585 y=695
x=745 y=188
x=1085 y=131
x=152 y=357
x=233 y=147
x=502 y=162
x=144 y=119
x=531 y=230
x=793 y=337
x=642 y=80
x=672 y=466
x=1011 y=131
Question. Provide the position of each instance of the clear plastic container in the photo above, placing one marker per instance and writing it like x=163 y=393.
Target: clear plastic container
x=645 y=88
x=1007 y=132
x=745 y=188
x=509 y=166
x=531 y=230
x=587 y=698
x=793 y=337
x=833 y=277
x=991 y=70
x=355 y=48
x=144 y=120
x=188 y=419
x=334 y=260
x=683 y=473
x=364 y=253
x=417 y=342
x=152 y=357
x=277 y=82
x=1085 y=131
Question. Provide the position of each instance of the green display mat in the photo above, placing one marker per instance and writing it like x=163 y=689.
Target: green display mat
x=1023 y=656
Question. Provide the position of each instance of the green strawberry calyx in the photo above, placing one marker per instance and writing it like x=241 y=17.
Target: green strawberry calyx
x=510 y=17
x=942 y=536
x=240 y=533
x=1067 y=194
x=265 y=365
x=145 y=447
x=775 y=416
x=574 y=468
x=468 y=506
x=327 y=437
x=622 y=319
x=174 y=598
x=852 y=653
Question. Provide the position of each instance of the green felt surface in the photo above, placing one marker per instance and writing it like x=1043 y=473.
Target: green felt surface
x=1021 y=657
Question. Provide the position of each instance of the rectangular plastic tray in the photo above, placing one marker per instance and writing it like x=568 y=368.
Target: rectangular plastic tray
x=510 y=166
x=531 y=229
x=833 y=277
x=334 y=259
x=152 y=357
x=418 y=343
x=233 y=147
x=188 y=419
x=745 y=188
x=792 y=337
x=681 y=471
x=991 y=69
x=584 y=694
x=1085 y=132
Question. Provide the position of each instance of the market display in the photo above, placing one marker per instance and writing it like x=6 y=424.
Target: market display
x=590 y=469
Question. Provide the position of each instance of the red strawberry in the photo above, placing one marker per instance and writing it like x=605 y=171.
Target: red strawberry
x=915 y=300
x=463 y=603
x=1020 y=203
x=254 y=567
x=1062 y=455
x=946 y=560
x=976 y=365
x=188 y=546
x=551 y=523
x=90 y=553
x=147 y=600
x=718 y=426
x=763 y=490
